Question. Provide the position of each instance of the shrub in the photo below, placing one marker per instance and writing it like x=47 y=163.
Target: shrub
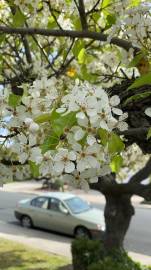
x=91 y=255
x=86 y=252
x=110 y=263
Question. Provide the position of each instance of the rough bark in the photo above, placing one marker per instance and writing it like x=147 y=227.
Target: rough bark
x=134 y=102
x=118 y=214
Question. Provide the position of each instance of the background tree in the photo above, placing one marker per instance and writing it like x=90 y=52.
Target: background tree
x=75 y=93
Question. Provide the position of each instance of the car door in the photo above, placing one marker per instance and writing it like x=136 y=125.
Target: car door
x=59 y=218
x=39 y=211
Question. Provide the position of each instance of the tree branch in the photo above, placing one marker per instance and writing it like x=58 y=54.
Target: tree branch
x=27 y=49
x=108 y=186
x=141 y=174
x=12 y=162
x=134 y=131
x=83 y=19
x=93 y=8
x=67 y=33
x=8 y=136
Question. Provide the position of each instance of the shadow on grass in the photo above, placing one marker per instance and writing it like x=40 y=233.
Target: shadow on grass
x=66 y=267
x=16 y=260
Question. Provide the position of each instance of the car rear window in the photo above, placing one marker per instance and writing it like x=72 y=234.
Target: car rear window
x=40 y=202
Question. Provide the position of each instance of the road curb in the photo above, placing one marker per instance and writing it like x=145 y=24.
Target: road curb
x=51 y=245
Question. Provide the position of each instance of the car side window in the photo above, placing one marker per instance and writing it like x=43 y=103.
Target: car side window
x=40 y=202
x=54 y=204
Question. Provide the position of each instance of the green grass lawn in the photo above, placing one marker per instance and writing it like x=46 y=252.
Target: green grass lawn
x=14 y=256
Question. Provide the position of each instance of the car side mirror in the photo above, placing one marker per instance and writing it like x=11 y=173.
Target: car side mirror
x=63 y=209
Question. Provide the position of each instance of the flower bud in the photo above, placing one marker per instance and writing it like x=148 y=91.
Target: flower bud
x=28 y=121
x=33 y=127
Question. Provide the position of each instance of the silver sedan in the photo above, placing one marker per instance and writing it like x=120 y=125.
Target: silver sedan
x=61 y=212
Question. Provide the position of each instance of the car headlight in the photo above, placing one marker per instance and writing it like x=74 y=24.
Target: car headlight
x=101 y=227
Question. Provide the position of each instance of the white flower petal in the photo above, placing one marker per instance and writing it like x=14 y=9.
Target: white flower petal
x=122 y=126
x=67 y=178
x=80 y=115
x=91 y=139
x=34 y=127
x=89 y=173
x=85 y=185
x=123 y=116
x=82 y=165
x=104 y=170
x=72 y=155
x=91 y=112
x=114 y=100
x=91 y=101
x=28 y=121
x=22 y=138
x=92 y=161
x=23 y=157
x=35 y=155
x=93 y=180
x=104 y=125
x=148 y=111
x=69 y=167
x=32 y=140
x=61 y=110
x=79 y=134
x=83 y=122
x=117 y=111
x=59 y=166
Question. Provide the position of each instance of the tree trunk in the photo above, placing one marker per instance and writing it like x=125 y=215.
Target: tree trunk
x=118 y=213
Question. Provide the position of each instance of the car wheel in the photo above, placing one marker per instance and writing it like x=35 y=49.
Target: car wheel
x=26 y=222
x=82 y=232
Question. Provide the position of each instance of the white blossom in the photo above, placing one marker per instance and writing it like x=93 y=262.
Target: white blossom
x=63 y=161
x=148 y=111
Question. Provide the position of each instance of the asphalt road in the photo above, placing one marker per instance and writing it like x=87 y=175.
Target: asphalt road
x=138 y=238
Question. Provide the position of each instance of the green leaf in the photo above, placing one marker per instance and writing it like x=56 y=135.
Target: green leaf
x=143 y=80
x=50 y=143
x=136 y=60
x=96 y=16
x=18 y=19
x=45 y=117
x=105 y=3
x=111 y=19
x=116 y=163
x=78 y=46
x=87 y=76
x=34 y=168
x=51 y=22
x=64 y=122
x=106 y=6
x=54 y=115
x=104 y=136
x=68 y=2
x=134 y=3
x=76 y=22
x=14 y=100
x=137 y=97
x=115 y=144
x=82 y=56
x=149 y=134
x=2 y=37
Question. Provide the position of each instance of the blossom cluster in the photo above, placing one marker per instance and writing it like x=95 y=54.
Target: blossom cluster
x=56 y=123
x=134 y=24
x=80 y=156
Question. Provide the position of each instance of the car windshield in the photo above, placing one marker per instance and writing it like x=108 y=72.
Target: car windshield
x=77 y=205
